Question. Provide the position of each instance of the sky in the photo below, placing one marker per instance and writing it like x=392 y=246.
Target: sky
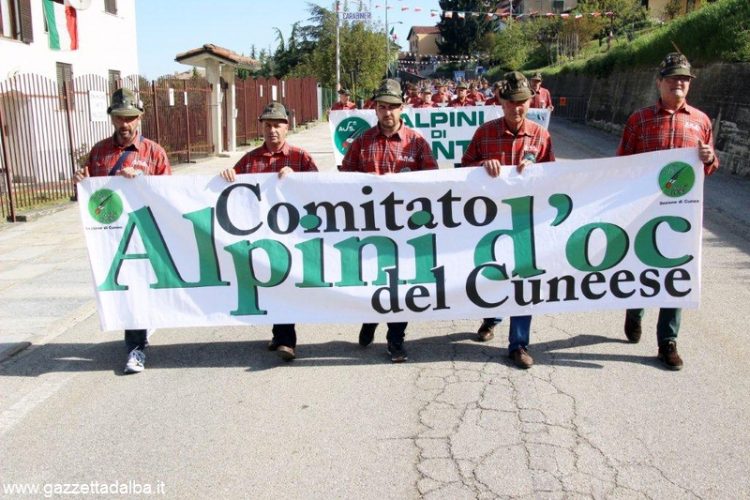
x=166 y=28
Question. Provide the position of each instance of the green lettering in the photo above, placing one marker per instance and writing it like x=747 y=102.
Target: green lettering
x=616 y=246
x=648 y=251
x=279 y=260
x=156 y=253
x=522 y=234
x=351 y=259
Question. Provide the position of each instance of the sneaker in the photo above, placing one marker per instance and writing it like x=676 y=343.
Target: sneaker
x=632 y=330
x=136 y=362
x=285 y=352
x=521 y=358
x=669 y=356
x=367 y=334
x=397 y=353
x=486 y=332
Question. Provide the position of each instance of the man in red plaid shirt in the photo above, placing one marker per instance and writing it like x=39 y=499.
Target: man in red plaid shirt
x=389 y=147
x=668 y=124
x=510 y=140
x=275 y=155
x=462 y=97
x=129 y=154
x=344 y=102
x=542 y=98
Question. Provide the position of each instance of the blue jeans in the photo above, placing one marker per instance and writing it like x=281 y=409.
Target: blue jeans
x=667 y=326
x=519 y=332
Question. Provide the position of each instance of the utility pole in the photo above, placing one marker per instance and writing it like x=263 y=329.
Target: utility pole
x=387 y=44
x=338 y=48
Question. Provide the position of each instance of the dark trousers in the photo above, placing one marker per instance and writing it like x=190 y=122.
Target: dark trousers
x=667 y=326
x=396 y=331
x=285 y=335
x=136 y=339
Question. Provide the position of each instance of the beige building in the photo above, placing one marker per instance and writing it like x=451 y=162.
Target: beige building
x=657 y=7
x=423 y=40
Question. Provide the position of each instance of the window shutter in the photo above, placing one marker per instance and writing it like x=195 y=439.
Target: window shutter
x=24 y=14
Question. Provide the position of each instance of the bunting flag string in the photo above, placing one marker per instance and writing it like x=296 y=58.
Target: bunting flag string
x=499 y=13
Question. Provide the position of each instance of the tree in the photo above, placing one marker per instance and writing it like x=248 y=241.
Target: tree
x=463 y=35
x=363 y=58
x=512 y=46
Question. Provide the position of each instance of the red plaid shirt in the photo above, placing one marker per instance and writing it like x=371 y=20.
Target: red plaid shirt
x=476 y=96
x=455 y=103
x=374 y=153
x=494 y=141
x=655 y=128
x=414 y=101
x=492 y=101
x=261 y=161
x=438 y=97
x=338 y=105
x=541 y=99
x=144 y=155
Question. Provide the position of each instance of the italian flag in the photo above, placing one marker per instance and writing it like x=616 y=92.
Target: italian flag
x=62 y=25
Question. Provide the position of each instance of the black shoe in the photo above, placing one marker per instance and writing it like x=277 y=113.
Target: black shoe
x=367 y=334
x=669 y=356
x=397 y=353
x=485 y=332
x=632 y=330
x=272 y=345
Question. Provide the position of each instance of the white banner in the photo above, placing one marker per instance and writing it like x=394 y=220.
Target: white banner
x=448 y=130
x=335 y=247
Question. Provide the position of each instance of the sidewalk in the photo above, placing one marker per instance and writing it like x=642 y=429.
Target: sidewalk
x=45 y=278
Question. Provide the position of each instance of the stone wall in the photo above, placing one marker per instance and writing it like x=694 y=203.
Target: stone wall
x=719 y=90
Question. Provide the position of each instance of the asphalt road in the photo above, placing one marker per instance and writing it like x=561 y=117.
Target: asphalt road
x=217 y=416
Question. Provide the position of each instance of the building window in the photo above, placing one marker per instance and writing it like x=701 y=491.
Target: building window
x=15 y=20
x=114 y=80
x=65 y=86
x=110 y=6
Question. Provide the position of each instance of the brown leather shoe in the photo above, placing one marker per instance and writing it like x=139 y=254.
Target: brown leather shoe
x=632 y=330
x=521 y=358
x=285 y=352
x=485 y=332
x=669 y=356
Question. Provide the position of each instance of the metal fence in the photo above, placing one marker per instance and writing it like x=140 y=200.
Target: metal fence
x=47 y=130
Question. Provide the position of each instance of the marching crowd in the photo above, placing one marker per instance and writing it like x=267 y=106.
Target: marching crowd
x=391 y=147
x=449 y=93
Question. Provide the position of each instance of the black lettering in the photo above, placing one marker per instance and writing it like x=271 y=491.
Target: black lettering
x=222 y=213
x=592 y=279
x=623 y=276
x=676 y=275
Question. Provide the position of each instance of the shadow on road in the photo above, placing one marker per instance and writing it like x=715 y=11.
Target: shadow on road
x=253 y=355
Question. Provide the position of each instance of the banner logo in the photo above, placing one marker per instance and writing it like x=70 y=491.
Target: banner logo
x=105 y=206
x=676 y=179
x=348 y=130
